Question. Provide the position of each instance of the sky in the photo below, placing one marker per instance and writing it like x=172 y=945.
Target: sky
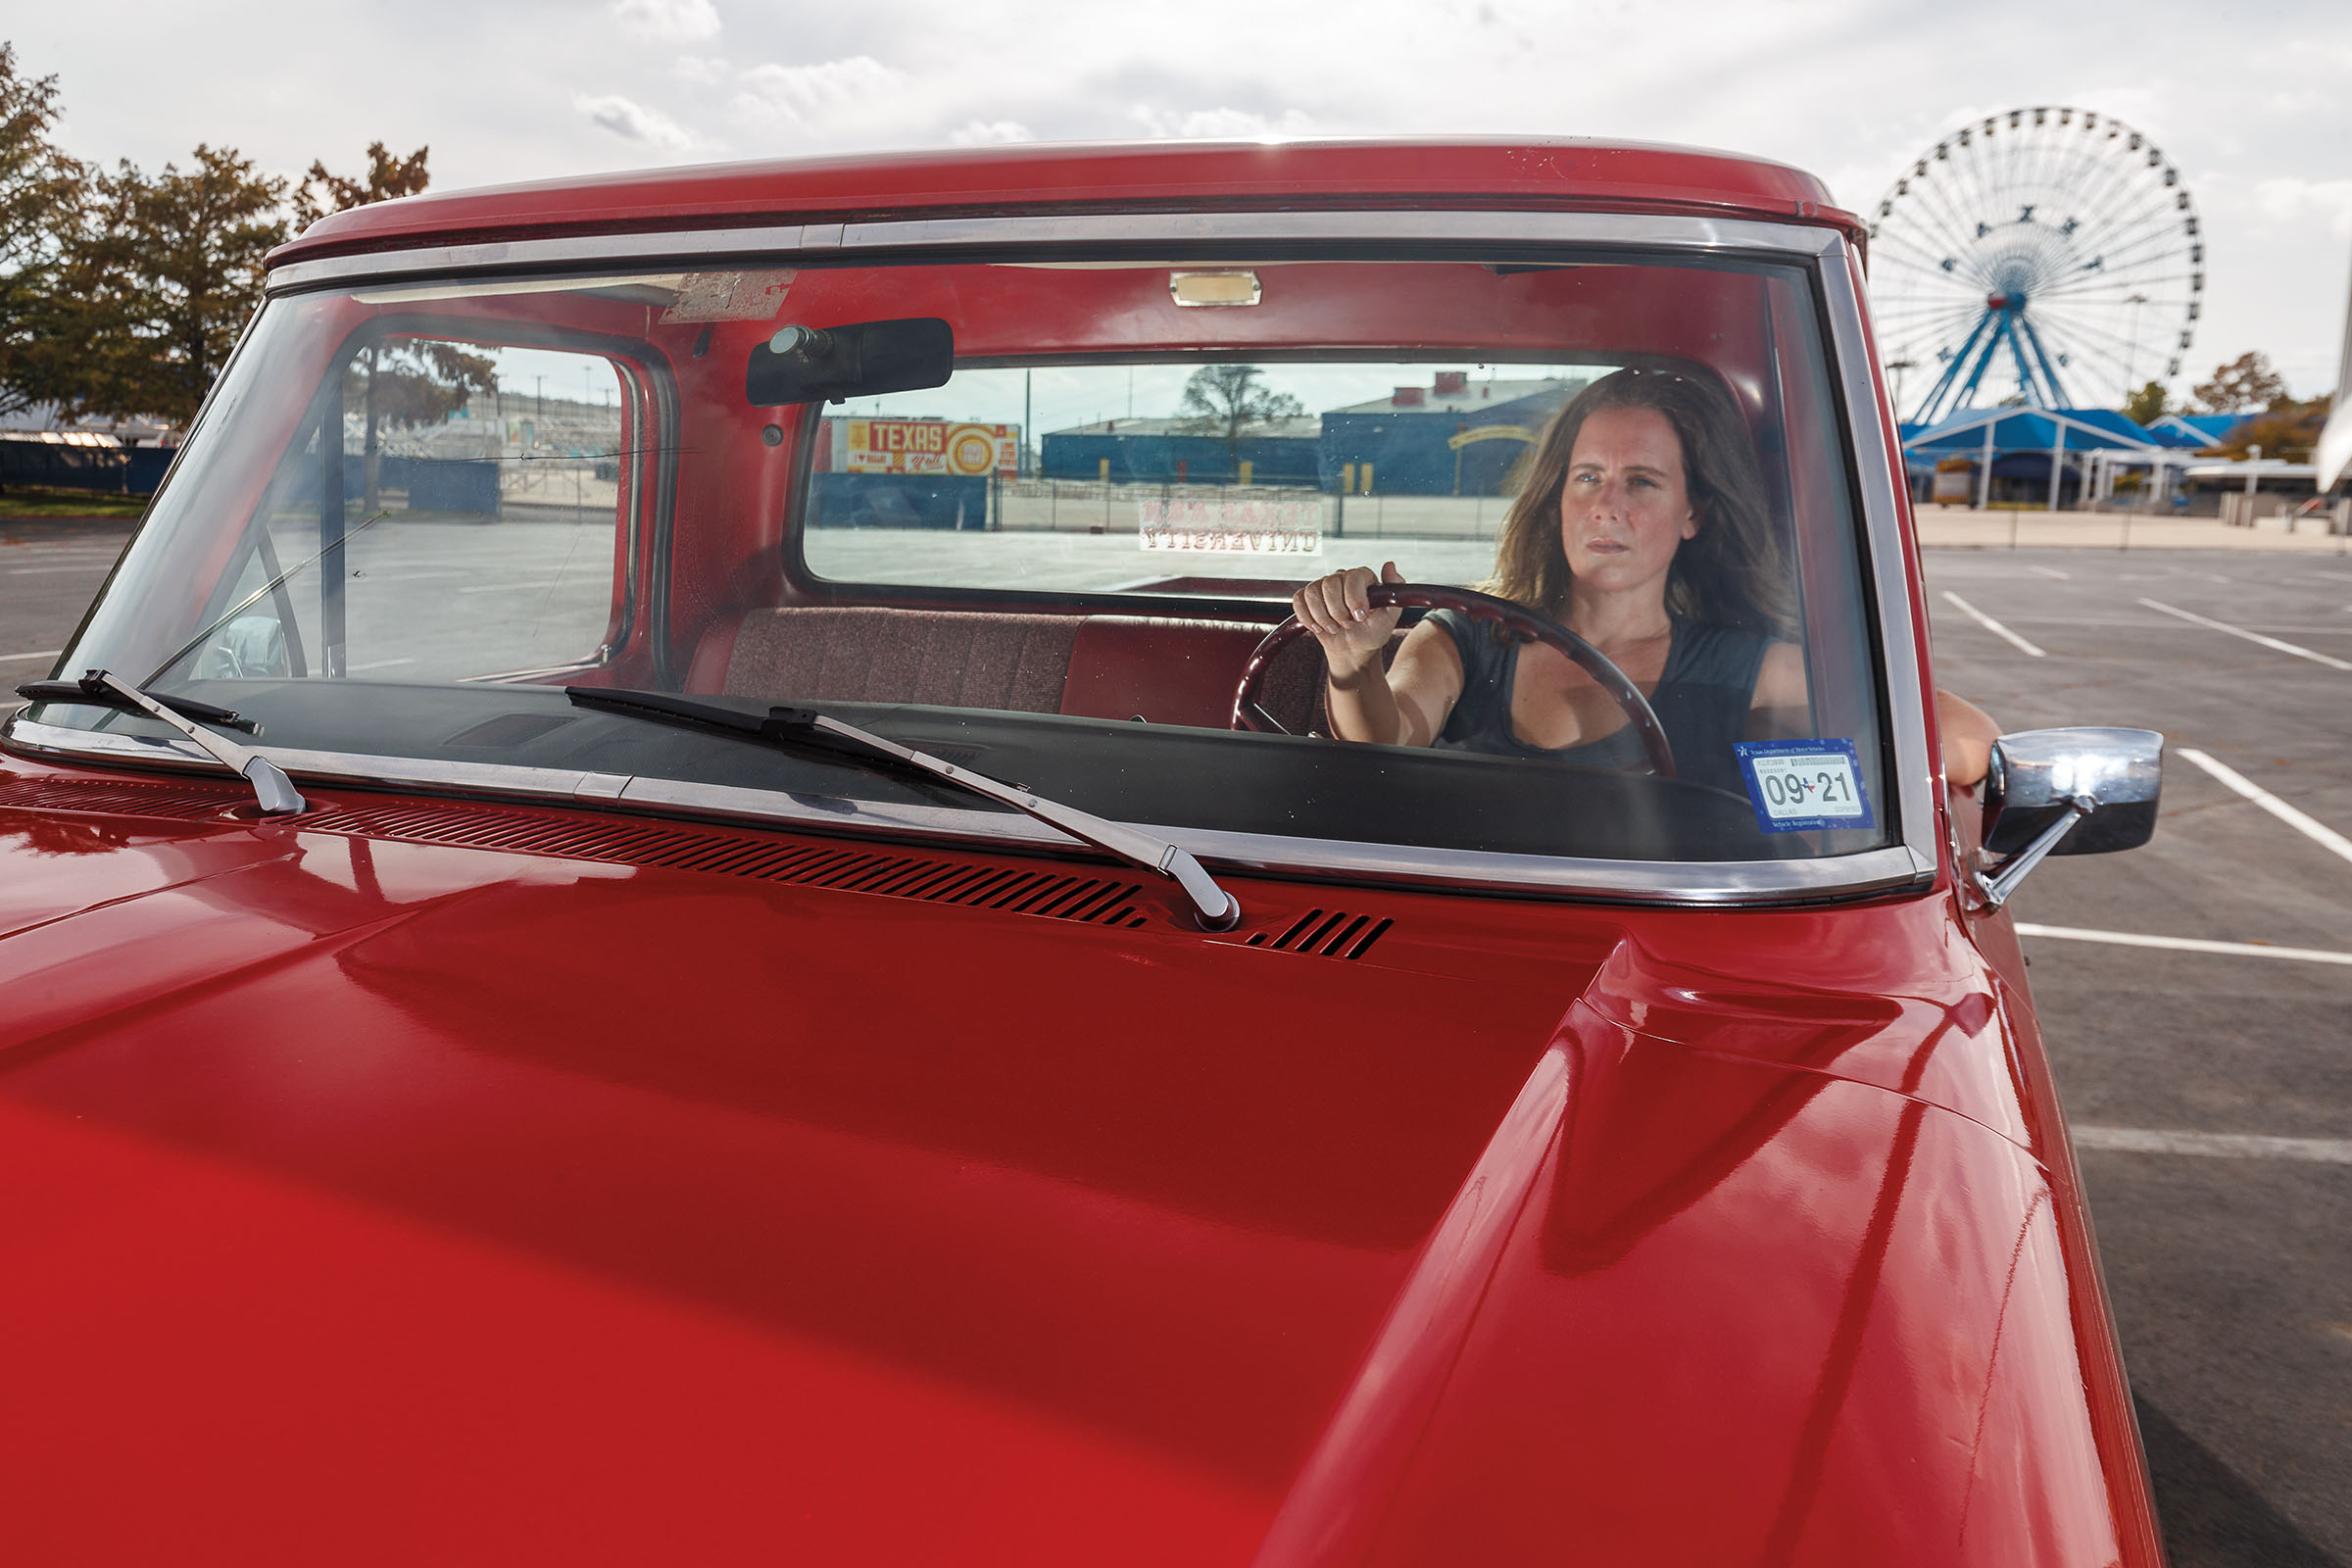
x=2253 y=107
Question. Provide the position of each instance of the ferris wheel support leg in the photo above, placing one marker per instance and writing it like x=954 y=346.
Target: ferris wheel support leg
x=1931 y=407
x=2026 y=384
x=2049 y=372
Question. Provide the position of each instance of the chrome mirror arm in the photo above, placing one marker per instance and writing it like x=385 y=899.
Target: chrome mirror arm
x=1997 y=888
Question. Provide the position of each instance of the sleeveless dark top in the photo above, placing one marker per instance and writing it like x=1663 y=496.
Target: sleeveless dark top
x=1702 y=700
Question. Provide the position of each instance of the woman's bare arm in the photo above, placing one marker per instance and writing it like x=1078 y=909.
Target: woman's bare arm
x=1968 y=733
x=1783 y=704
x=1405 y=704
x=1781 y=700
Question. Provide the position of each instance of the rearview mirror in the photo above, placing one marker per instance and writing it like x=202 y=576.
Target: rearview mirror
x=2066 y=791
x=809 y=363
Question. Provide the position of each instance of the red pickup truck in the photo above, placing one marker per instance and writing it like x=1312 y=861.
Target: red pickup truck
x=1179 y=853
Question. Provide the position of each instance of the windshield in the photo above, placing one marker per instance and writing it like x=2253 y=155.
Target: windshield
x=1572 y=542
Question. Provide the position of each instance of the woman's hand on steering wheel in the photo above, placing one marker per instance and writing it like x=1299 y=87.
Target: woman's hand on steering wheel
x=1338 y=611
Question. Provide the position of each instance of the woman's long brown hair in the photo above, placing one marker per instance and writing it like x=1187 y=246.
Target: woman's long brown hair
x=1733 y=572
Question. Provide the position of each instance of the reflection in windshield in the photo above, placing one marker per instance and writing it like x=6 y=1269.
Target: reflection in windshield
x=413 y=514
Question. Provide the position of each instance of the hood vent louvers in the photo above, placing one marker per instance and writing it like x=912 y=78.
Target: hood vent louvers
x=1327 y=933
x=717 y=851
x=171 y=802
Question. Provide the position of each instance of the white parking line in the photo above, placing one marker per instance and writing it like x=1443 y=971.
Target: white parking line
x=2225 y=1146
x=38 y=653
x=2144 y=621
x=518 y=587
x=2050 y=571
x=1995 y=627
x=2241 y=631
x=2133 y=939
x=35 y=571
x=2319 y=833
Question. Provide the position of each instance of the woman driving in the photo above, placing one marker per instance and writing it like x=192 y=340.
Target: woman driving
x=1640 y=525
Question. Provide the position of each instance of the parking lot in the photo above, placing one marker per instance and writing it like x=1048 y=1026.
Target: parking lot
x=2209 y=1075
x=2211 y=1090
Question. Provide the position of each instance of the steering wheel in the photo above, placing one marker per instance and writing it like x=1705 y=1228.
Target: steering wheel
x=1515 y=620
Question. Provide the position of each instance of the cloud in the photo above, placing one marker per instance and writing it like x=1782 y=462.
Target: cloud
x=812 y=97
x=1223 y=124
x=2284 y=198
x=989 y=133
x=633 y=122
x=700 y=71
x=685 y=19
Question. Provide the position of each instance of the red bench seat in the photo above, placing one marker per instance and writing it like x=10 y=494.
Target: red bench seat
x=1160 y=669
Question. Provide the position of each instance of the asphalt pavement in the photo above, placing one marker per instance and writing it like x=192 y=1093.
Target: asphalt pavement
x=2208 y=1078
x=2210 y=1092
x=49 y=572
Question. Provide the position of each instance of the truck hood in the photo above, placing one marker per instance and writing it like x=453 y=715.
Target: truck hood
x=383 y=1200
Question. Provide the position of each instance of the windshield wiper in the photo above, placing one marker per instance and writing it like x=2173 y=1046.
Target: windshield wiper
x=1212 y=906
x=270 y=787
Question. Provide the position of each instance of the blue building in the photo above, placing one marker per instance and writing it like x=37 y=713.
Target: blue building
x=1456 y=437
x=1182 y=451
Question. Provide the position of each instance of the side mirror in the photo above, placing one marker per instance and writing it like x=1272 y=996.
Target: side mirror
x=2066 y=791
x=809 y=364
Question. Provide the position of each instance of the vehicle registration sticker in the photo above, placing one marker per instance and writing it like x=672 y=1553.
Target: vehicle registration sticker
x=1804 y=784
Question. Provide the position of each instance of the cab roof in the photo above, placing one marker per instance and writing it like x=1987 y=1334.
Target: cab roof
x=1047 y=177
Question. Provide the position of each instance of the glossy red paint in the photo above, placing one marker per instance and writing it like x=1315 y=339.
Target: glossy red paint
x=382 y=1199
x=1559 y=172
x=509 y=1202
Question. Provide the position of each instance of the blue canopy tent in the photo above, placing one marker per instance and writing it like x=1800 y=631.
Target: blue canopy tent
x=2024 y=448
x=2199 y=430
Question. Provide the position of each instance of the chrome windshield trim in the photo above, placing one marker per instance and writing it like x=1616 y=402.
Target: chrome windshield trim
x=1682 y=882
x=835 y=241
x=1917 y=775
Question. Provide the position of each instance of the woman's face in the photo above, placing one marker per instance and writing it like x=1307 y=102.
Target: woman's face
x=1626 y=508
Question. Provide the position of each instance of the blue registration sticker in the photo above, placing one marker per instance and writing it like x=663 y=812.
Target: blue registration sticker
x=1804 y=784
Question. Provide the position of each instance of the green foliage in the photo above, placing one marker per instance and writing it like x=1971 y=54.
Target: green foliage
x=161 y=279
x=123 y=293
x=41 y=192
x=2147 y=405
x=2245 y=382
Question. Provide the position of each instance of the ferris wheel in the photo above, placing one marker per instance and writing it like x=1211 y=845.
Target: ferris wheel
x=2047 y=256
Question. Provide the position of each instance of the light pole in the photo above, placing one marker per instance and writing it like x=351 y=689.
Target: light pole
x=2132 y=341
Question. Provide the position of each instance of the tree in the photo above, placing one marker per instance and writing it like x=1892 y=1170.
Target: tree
x=2245 y=382
x=1224 y=399
x=163 y=277
x=388 y=179
x=396 y=381
x=41 y=192
x=2147 y=405
x=2286 y=429
x=123 y=294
